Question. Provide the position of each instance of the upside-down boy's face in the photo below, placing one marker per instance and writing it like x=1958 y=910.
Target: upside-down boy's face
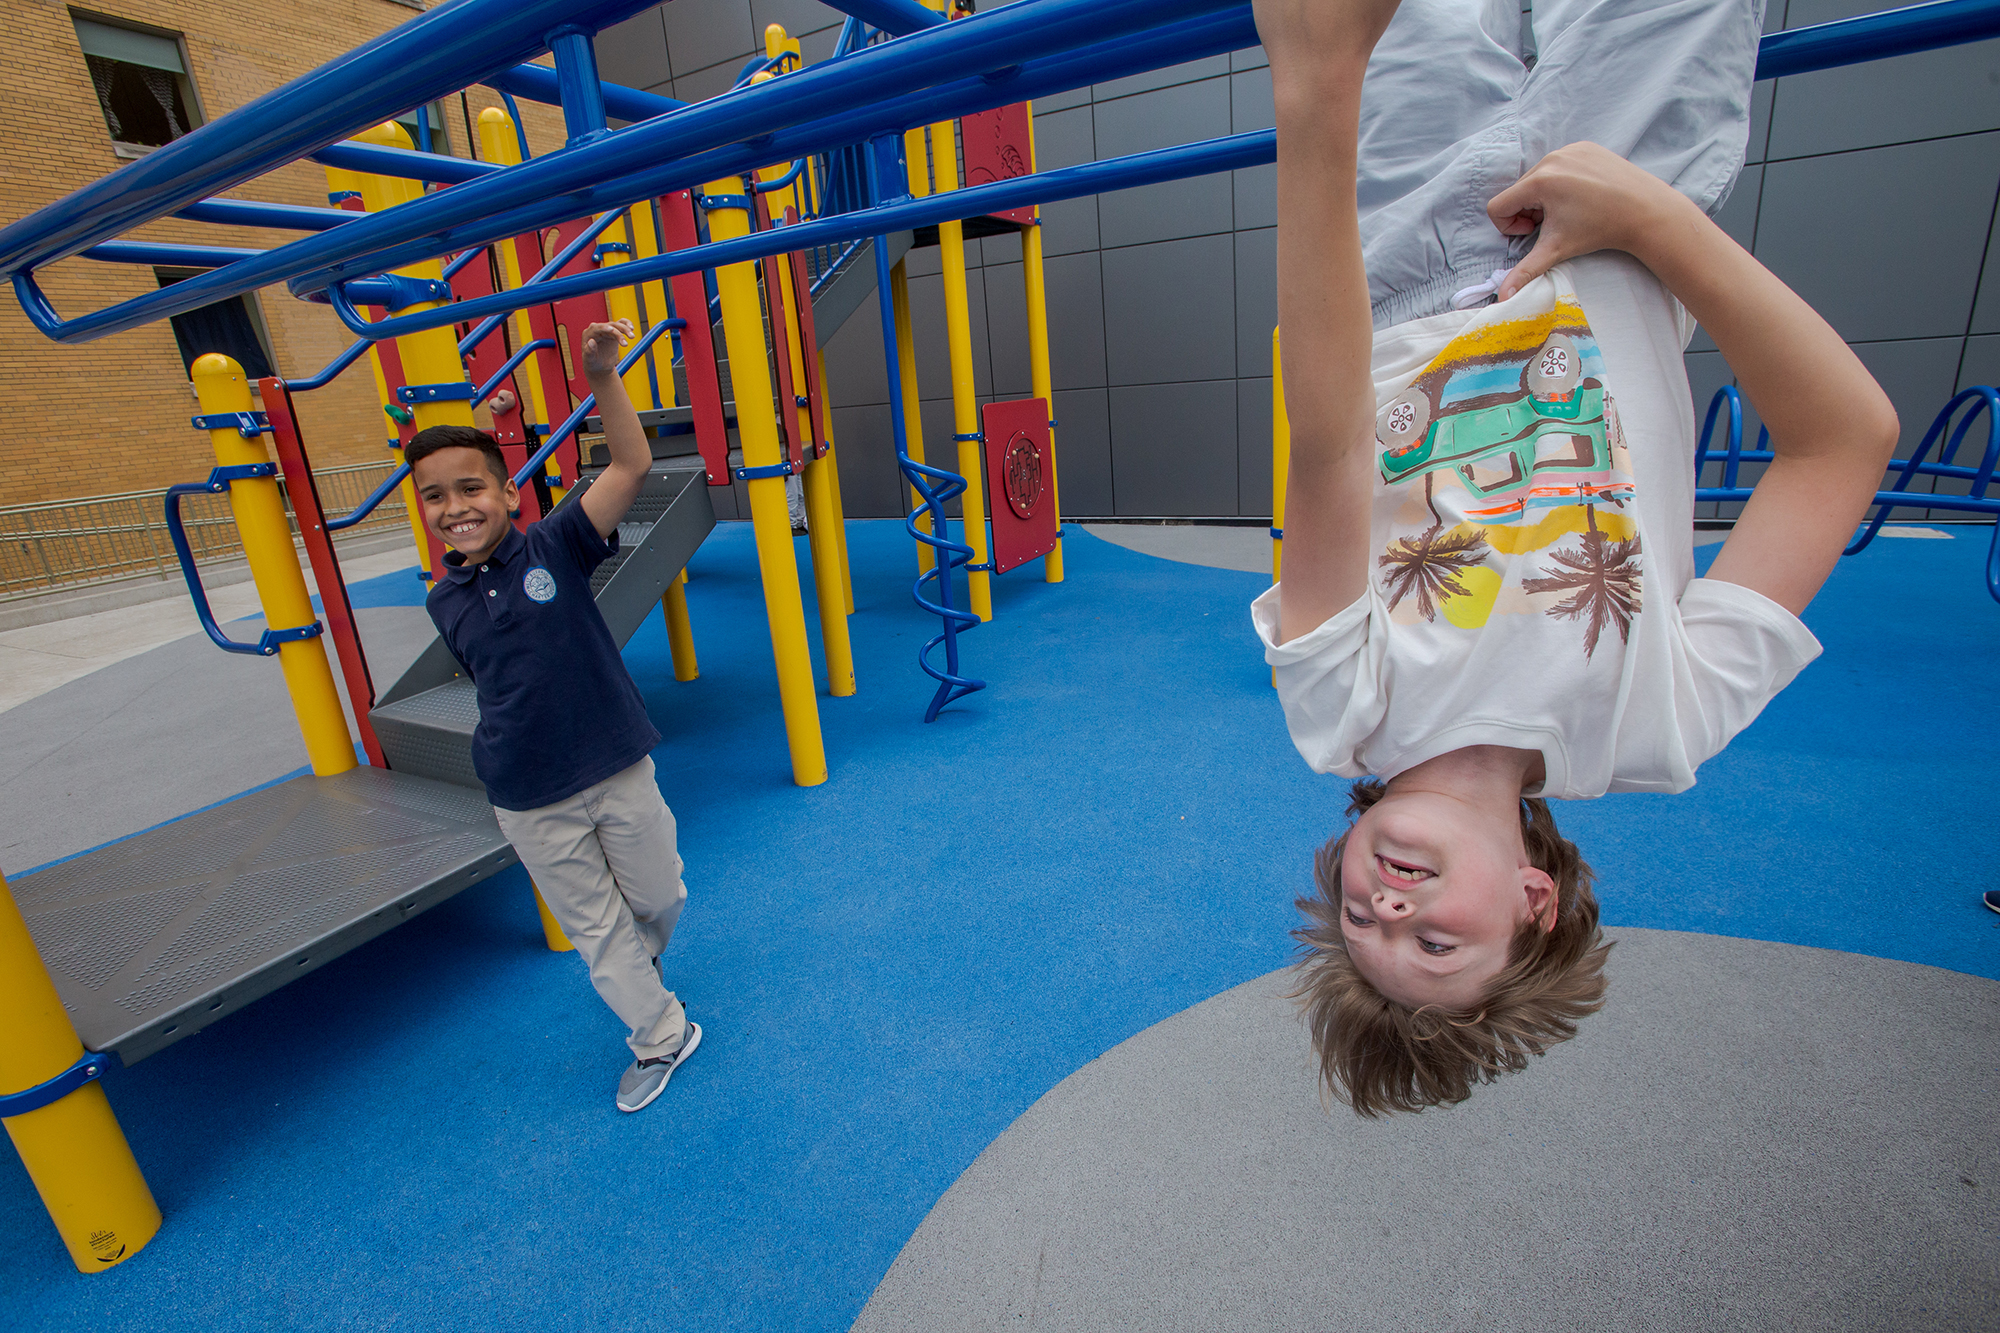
x=465 y=503
x=1431 y=897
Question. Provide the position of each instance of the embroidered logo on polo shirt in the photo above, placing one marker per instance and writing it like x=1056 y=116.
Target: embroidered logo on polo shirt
x=539 y=584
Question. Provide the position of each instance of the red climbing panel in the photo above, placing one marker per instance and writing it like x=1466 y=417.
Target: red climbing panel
x=1020 y=472
x=1000 y=145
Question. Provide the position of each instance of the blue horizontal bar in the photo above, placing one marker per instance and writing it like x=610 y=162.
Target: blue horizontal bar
x=1119 y=173
x=538 y=83
x=408 y=164
x=896 y=16
x=174 y=256
x=433 y=54
x=1894 y=32
x=555 y=185
x=249 y=213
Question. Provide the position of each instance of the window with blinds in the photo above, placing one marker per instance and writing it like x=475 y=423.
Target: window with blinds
x=141 y=81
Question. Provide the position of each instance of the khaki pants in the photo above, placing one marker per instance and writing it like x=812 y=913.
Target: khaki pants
x=607 y=867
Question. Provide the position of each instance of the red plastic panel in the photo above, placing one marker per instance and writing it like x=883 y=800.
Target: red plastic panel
x=711 y=431
x=999 y=145
x=578 y=312
x=1020 y=471
x=474 y=280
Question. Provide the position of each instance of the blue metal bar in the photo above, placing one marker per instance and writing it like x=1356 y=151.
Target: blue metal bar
x=896 y=16
x=333 y=368
x=543 y=190
x=424 y=128
x=219 y=482
x=766 y=187
x=577 y=418
x=538 y=83
x=485 y=391
x=520 y=129
x=1894 y=32
x=249 y=213
x=174 y=256
x=451 y=269
x=90 y=1065
x=1215 y=155
x=542 y=275
x=380 y=160
x=576 y=79
x=433 y=54
x=367 y=507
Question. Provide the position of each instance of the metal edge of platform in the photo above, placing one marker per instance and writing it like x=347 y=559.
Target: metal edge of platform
x=642 y=576
x=103 y=1027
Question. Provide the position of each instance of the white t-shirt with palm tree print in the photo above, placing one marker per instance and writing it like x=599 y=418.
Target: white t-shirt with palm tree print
x=1532 y=582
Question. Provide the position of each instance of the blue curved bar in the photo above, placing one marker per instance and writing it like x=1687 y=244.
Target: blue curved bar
x=766 y=187
x=367 y=507
x=434 y=53
x=538 y=83
x=1894 y=32
x=219 y=481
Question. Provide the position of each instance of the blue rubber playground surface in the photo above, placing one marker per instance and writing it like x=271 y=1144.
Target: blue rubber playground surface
x=891 y=967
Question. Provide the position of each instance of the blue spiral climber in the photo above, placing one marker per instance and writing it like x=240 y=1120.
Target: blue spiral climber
x=938 y=487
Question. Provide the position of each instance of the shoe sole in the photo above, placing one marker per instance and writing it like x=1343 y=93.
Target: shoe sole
x=1991 y=906
x=687 y=1049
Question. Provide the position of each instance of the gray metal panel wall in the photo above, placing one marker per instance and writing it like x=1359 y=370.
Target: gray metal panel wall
x=1871 y=189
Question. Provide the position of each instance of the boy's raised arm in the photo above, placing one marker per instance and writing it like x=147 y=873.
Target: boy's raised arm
x=618 y=485
x=1318 y=51
x=1832 y=428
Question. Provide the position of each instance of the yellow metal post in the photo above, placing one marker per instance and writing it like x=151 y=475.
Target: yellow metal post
x=832 y=464
x=964 y=389
x=499 y=144
x=913 y=417
x=73 y=1148
x=1038 y=362
x=680 y=631
x=221 y=388
x=646 y=244
x=623 y=303
x=552 y=931
x=1281 y=457
x=770 y=517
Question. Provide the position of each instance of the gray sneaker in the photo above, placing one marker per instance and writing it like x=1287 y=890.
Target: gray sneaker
x=647 y=1079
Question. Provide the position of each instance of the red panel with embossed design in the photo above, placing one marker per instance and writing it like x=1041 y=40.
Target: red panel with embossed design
x=999 y=145
x=1020 y=479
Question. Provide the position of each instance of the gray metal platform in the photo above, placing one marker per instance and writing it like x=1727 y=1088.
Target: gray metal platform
x=153 y=938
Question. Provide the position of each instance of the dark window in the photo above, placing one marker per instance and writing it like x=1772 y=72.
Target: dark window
x=141 y=81
x=414 y=124
x=226 y=327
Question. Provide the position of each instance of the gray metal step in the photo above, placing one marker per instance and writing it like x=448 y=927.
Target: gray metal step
x=153 y=938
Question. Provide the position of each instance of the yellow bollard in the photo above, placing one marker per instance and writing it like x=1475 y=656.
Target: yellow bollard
x=832 y=464
x=221 y=389
x=770 y=517
x=623 y=303
x=1038 y=362
x=1281 y=457
x=552 y=931
x=73 y=1148
x=680 y=630
x=964 y=389
x=913 y=417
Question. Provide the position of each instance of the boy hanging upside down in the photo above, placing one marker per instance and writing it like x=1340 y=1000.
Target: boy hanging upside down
x=1491 y=253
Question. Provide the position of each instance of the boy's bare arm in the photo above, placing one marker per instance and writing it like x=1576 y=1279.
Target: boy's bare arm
x=1832 y=428
x=1318 y=51
x=618 y=485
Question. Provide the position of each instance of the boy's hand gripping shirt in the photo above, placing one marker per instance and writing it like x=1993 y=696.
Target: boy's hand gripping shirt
x=1532 y=555
x=558 y=711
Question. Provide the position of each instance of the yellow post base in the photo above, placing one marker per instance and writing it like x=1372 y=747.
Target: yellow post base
x=823 y=535
x=552 y=931
x=73 y=1149
x=680 y=630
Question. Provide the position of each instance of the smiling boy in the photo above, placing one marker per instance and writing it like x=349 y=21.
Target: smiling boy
x=1489 y=594
x=564 y=746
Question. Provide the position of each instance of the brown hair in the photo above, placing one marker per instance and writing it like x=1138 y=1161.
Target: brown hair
x=1378 y=1056
x=435 y=438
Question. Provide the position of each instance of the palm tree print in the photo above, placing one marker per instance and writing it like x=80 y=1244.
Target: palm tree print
x=1603 y=580
x=1428 y=565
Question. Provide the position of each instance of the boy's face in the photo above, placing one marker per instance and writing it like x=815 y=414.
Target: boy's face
x=465 y=504
x=1432 y=893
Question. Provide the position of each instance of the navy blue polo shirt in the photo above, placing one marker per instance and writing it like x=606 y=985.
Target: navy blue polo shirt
x=558 y=711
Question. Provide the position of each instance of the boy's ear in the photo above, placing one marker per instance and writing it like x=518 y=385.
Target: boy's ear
x=1542 y=897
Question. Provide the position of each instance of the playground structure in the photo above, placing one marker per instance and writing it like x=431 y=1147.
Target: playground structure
x=805 y=178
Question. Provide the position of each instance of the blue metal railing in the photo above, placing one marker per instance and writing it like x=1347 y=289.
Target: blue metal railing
x=577 y=418
x=1978 y=400
x=218 y=482
x=367 y=507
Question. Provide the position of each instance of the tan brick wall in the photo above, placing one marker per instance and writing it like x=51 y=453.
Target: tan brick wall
x=111 y=415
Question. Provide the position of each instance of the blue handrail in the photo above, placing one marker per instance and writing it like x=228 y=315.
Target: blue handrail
x=485 y=391
x=542 y=276
x=333 y=368
x=367 y=507
x=1893 y=32
x=218 y=482
x=577 y=418
x=766 y=187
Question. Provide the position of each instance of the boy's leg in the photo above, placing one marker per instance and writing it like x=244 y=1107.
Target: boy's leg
x=560 y=847
x=1663 y=83
x=639 y=837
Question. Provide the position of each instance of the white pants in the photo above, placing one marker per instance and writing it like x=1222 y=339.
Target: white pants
x=606 y=864
x=1464 y=96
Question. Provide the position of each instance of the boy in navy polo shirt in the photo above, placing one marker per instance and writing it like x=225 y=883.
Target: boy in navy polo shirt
x=579 y=802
